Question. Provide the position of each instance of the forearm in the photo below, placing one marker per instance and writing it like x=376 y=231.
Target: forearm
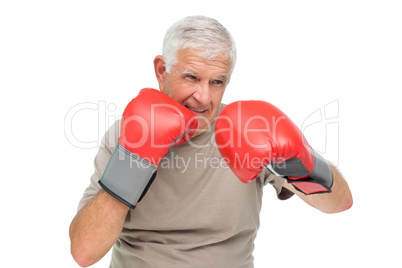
x=338 y=200
x=96 y=227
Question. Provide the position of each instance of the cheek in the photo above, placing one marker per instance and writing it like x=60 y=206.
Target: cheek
x=169 y=86
x=166 y=86
x=179 y=92
x=217 y=98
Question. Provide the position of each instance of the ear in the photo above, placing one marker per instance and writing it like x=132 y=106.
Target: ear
x=160 y=71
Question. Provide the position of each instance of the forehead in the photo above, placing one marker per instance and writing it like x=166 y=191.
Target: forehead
x=193 y=60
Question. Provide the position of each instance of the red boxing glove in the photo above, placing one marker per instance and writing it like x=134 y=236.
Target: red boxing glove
x=252 y=135
x=151 y=123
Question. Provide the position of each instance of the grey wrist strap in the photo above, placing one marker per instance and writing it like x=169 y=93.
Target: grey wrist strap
x=321 y=174
x=126 y=176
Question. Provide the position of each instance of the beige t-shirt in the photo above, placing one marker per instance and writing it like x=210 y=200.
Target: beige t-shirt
x=196 y=213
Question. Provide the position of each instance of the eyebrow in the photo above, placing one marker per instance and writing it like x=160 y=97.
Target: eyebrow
x=188 y=72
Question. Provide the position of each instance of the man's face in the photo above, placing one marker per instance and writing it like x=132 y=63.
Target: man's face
x=196 y=83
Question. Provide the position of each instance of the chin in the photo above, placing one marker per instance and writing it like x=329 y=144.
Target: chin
x=199 y=131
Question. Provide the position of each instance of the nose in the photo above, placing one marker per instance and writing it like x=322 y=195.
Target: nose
x=202 y=94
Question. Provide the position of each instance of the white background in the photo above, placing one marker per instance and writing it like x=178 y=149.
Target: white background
x=299 y=55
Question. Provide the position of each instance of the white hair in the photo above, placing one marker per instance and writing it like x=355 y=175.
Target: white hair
x=202 y=33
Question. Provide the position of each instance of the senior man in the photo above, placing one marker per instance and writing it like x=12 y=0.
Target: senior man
x=165 y=193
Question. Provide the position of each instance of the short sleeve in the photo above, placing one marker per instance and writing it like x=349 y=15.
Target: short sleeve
x=277 y=182
x=107 y=146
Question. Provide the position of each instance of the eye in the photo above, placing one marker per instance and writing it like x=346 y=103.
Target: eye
x=217 y=82
x=191 y=77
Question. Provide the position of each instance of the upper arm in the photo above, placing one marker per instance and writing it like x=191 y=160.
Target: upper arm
x=108 y=143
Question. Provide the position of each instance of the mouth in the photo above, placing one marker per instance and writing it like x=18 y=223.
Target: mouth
x=197 y=111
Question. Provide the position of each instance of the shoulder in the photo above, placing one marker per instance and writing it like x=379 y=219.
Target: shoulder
x=110 y=138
